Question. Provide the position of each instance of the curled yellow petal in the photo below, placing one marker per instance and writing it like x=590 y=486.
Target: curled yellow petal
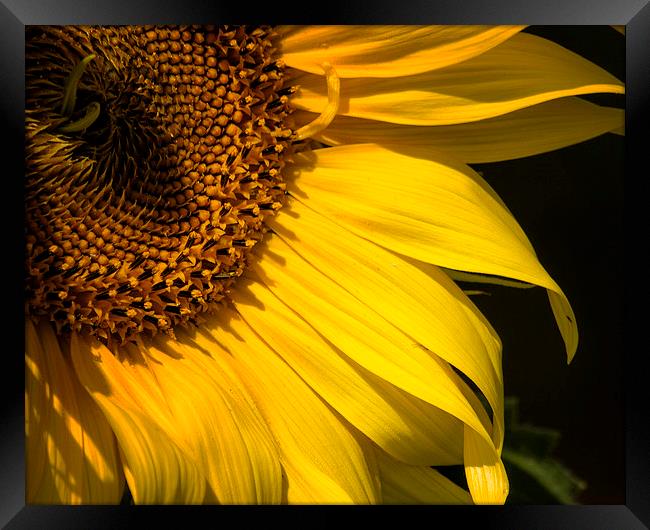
x=450 y=220
x=329 y=112
x=486 y=475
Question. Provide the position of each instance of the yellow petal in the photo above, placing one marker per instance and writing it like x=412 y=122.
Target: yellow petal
x=405 y=484
x=71 y=454
x=404 y=426
x=523 y=71
x=207 y=414
x=526 y=132
x=486 y=476
x=158 y=470
x=435 y=212
x=217 y=422
x=386 y=51
x=361 y=333
x=426 y=306
x=322 y=460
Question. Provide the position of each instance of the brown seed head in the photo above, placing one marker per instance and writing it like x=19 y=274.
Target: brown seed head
x=142 y=218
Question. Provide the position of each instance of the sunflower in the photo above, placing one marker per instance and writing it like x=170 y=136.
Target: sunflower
x=242 y=254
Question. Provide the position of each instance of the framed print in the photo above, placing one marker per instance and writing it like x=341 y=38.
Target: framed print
x=364 y=257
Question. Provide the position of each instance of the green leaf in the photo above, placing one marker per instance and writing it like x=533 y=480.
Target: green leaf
x=535 y=476
x=558 y=483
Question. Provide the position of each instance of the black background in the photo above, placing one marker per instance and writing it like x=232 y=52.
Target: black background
x=570 y=204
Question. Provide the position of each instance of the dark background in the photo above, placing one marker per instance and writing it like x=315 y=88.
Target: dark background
x=570 y=204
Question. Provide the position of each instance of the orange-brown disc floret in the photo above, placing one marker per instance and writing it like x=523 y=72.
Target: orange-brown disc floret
x=140 y=217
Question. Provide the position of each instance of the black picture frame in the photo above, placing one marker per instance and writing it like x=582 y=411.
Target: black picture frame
x=634 y=14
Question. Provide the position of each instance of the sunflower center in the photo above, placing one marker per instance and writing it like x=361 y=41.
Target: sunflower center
x=153 y=157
